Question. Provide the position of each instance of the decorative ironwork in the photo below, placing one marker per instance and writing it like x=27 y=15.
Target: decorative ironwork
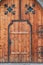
x=40 y=52
x=9 y=9
x=29 y=9
x=5 y=5
x=40 y=31
x=13 y=12
x=13 y=5
x=6 y=12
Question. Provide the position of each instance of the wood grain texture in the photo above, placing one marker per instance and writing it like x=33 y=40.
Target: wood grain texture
x=20 y=38
x=21 y=49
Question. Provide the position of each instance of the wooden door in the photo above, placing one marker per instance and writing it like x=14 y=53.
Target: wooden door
x=21 y=31
x=20 y=41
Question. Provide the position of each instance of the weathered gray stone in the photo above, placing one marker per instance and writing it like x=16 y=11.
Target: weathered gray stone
x=40 y=2
x=20 y=64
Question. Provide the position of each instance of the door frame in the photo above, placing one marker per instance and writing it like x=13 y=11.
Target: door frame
x=9 y=41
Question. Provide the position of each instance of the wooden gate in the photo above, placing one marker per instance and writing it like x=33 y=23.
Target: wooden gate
x=20 y=39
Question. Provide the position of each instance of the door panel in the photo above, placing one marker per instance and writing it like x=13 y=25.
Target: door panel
x=32 y=11
x=7 y=8
x=20 y=36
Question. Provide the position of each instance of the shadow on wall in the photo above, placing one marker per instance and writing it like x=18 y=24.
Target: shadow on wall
x=41 y=2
